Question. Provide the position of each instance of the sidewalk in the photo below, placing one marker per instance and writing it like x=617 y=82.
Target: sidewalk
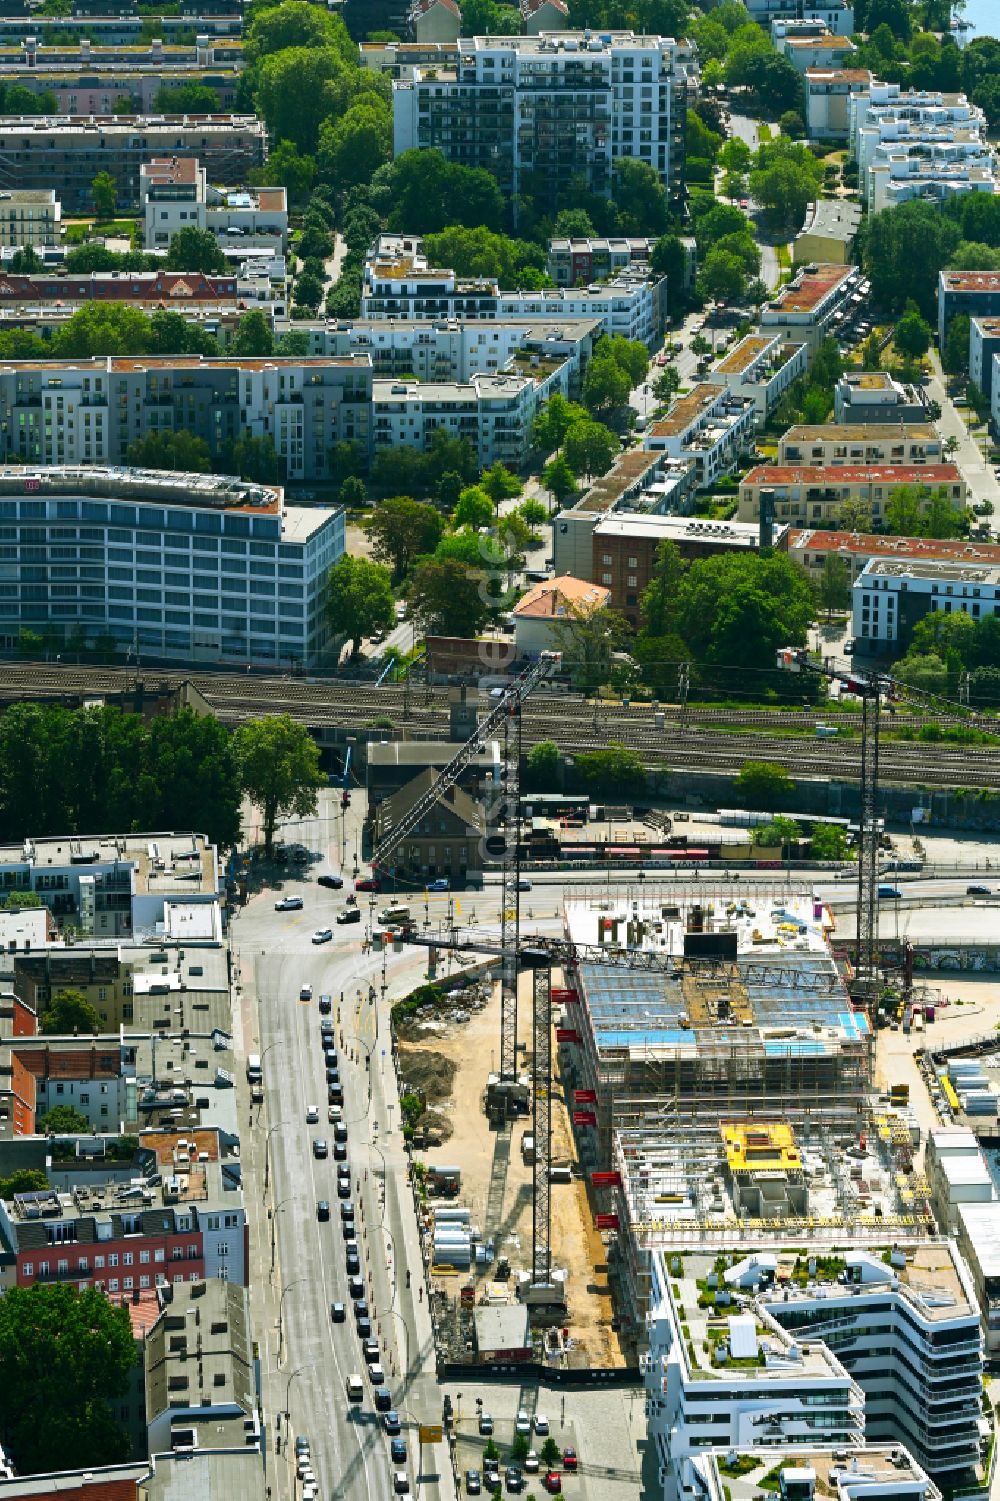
x=976 y=472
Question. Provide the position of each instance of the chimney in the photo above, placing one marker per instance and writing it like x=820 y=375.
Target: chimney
x=765 y=535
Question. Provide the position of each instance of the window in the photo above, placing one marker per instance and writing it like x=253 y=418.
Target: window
x=633 y=562
x=223 y=1248
x=606 y=559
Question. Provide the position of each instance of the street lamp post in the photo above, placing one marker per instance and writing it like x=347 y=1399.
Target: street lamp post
x=281 y=1306
x=274 y=1217
x=288 y=1388
x=267 y=1158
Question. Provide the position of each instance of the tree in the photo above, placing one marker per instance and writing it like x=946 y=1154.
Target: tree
x=24 y=1180
x=913 y=333
x=669 y=258
x=924 y=671
x=295 y=23
x=63 y=1353
x=292 y=92
x=447 y=598
x=103 y=328
x=532 y=513
x=287 y=168
x=735 y=612
x=763 y=784
x=610 y=773
x=429 y=193
x=20 y=901
x=359 y=599
x=554 y=421
x=590 y=448
x=573 y=223
x=499 y=484
x=69 y=1012
x=855 y=516
x=559 y=479
x=63 y=1120
x=191 y=98
x=279 y=769
x=834 y=584
x=659 y=599
x=588 y=640
x=25 y=261
x=916 y=511
x=722 y=275
x=780 y=831
x=784 y=188
x=827 y=841
x=544 y=761
x=252 y=336
x=179 y=450
x=605 y=385
x=638 y=192
x=104 y=191
x=902 y=251
x=254 y=458
x=667 y=384
x=474 y=508
x=401 y=530
x=352 y=149
x=353 y=494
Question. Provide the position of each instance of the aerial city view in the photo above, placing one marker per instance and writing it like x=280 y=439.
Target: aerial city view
x=499 y=750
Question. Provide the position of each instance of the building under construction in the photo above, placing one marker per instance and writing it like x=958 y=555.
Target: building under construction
x=700 y=1089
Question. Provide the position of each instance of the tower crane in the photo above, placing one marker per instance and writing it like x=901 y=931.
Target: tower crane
x=502 y=844
x=873 y=688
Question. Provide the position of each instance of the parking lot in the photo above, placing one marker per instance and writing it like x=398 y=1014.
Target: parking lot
x=606 y=1428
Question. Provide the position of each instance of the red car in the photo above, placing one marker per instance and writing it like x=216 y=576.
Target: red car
x=553 y=1483
x=570 y=1461
x=367 y=883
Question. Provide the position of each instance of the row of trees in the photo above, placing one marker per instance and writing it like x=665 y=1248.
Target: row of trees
x=79 y=771
x=946 y=649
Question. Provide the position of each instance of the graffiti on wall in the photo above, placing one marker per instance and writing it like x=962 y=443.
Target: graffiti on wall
x=977 y=960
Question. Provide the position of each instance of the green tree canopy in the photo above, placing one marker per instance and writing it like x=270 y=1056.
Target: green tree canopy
x=359 y=599
x=180 y=450
x=65 y=1354
x=68 y=1012
x=763 y=784
x=190 y=98
x=588 y=640
x=543 y=766
x=834 y=584
x=252 y=336
x=430 y=193
x=903 y=249
x=735 y=612
x=24 y=1180
x=194 y=249
x=590 y=448
x=296 y=23
x=401 y=530
x=499 y=484
x=554 y=421
x=918 y=511
x=104 y=191
x=279 y=769
x=912 y=334
x=559 y=479
x=828 y=842
x=63 y=1120
x=613 y=772
x=638 y=192
x=474 y=508
x=660 y=597
x=447 y=598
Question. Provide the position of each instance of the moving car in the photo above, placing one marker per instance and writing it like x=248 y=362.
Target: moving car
x=978 y=891
x=349 y=914
x=570 y=1461
x=367 y=883
x=322 y=1210
x=312 y=1115
x=320 y=1148
x=486 y=1424
x=891 y=892
x=325 y=1004
x=401 y=1483
x=322 y=935
x=306 y=993
x=392 y=1423
x=473 y=1483
x=440 y=884
x=338 y=1312
x=371 y=1351
x=524 y=884
x=352 y=1261
x=397 y=1451
x=289 y=904
x=332 y=883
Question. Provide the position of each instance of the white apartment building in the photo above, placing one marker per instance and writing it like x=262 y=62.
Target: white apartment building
x=888 y=599
x=174 y=194
x=872 y=1473
x=398 y=283
x=30 y=216
x=710 y=425
x=762 y=367
x=828 y=94
x=836 y=15
x=943 y=134
x=494 y=412
x=454 y=350
x=826 y=443
x=807 y=44
x=198 y=568
x=535 y=109
x=819 y=302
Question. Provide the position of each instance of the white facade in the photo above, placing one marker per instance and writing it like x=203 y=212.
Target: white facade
x=761 y=367
x=916 y=143
x=709 y=425
x=828 y=94
x=552 y=104
x=888 y=598
x=398 y=283
x=837 y=16
x=244 y=217
x=817 y=303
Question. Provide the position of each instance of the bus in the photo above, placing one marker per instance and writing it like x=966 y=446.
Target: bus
x=394 y=914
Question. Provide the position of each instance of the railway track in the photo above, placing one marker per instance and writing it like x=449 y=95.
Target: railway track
x=711 y=737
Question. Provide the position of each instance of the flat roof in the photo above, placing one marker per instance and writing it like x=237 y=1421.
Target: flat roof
x=671 y=528
x=861 y=432
x=807 y=291
x=981 y=1223
x=746 y=351
x=871 y=545
x=629 y=469
x=851 y=474
x=687 y=409
x=832 y=217
x=974 y=573
x=222 y=491
x=838 y=75
x=970 y=281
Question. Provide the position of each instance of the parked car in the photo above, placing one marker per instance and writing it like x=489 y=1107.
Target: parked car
x=570 y=1461
x=473 y=1483
x=322 y=1210
x=322 y=935
x=333 y=883
x=349 y=915
x=289 y=904
x=485 y=1424
x=367 y=883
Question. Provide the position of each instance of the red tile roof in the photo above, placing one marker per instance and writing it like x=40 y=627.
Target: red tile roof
x=860 y=544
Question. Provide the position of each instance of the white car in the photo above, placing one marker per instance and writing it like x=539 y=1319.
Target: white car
x=531 y=1462
x=522 y=1423
x=306 y=993
x=334 y=1114
x=288 y=904
x=312 y=1115
x=541 y=1424
x=322 y=935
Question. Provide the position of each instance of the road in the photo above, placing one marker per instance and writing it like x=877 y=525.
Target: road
x=743 y=128
x=976 y=472
x=305 y=1357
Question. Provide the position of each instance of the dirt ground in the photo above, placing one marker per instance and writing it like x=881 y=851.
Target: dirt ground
x=472 y=1046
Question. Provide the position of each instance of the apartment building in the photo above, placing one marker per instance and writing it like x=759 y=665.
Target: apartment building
x=398 y=283
x=974 y=294
x=89 y=411
x=455 y=349
x=174 y=194
x=114 y=30
x=637 y=481
x=145 y=289
x=91 y=80
x=625 y=545
x=201 y=1387
x=534 y=109
x=889 y=598
x=827 y=234
x=180 y=567
x=819 y=302
x=917 y=143
x=872 y=1472
x=828 y=94
x=809 y=45
x=816 y=496
x=873 y=396
x=836 y=15
x=761 y=366
x=30 y=217
x=51 y=151
x=810 y=548
x=140 y=986
x=984 y=344
x=578 y=262
x=709 y=425
x=402 y=59
x=872 y=443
